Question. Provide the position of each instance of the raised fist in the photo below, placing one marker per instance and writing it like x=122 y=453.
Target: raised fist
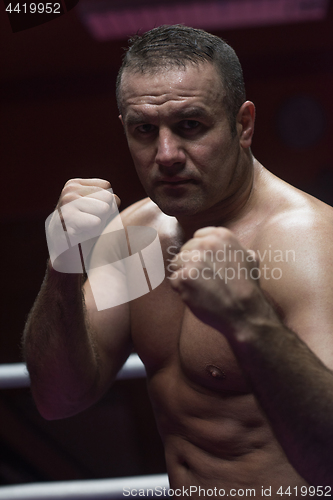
x=84 y=209
x=218 y=279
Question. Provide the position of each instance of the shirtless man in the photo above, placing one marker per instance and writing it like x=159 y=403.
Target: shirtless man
x=202 y=334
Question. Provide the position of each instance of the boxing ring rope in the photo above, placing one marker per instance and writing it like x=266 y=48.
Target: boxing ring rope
x=88 y=490
x=15 y=375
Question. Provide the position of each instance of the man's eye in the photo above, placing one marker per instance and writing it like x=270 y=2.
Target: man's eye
x=146 y=128
x=190 y=124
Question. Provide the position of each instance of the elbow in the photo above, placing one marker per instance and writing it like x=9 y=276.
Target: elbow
x=52 y=412
x=51 y=407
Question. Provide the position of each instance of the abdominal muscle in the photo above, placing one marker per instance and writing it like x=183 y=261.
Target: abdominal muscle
x=219 y=442
x=214 y=432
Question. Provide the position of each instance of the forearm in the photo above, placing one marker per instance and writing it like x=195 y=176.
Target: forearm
x=59 y=349
x=293 y=387
x=296 y=391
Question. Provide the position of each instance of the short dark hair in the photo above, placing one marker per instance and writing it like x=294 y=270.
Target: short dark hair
x=180 y=45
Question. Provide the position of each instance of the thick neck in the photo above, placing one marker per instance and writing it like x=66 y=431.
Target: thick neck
x=227 y=210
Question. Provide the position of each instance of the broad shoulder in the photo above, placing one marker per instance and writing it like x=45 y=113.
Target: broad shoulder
x=296 y=243
x=294 y=253
x=292 y=217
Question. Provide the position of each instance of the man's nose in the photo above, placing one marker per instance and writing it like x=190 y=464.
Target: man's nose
x=169 y=149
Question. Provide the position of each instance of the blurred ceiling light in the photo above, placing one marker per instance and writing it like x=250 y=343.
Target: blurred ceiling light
x=119 y=19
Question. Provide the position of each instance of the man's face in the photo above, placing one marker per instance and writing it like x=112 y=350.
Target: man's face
x=179 y=137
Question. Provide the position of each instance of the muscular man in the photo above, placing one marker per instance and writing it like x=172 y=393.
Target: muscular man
x=247 y=262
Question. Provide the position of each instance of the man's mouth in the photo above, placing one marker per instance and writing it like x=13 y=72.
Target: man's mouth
x=174 y=181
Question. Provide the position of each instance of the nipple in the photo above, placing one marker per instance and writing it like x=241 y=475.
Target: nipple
x=215 y=372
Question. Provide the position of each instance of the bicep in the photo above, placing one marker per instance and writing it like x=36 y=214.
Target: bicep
x=312 y=321
x=307 y=299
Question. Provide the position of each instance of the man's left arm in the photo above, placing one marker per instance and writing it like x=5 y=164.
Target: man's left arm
x=286 y=369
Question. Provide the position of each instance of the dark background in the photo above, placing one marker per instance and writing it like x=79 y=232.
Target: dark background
x=58 y=121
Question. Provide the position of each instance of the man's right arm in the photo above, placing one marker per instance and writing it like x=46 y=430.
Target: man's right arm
x=73 y=351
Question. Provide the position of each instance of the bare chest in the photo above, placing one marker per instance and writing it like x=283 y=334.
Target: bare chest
x=165 y=332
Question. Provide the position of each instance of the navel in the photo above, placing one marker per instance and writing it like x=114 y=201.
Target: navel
x=215 y=372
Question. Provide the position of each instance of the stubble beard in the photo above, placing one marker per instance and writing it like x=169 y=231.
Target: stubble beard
x=178 y=206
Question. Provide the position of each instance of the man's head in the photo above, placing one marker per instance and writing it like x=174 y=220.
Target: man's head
x=189 y=131
x=178 y=46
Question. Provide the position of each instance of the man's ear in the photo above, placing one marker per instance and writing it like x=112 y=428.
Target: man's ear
x=121 y=119
x=245 y=123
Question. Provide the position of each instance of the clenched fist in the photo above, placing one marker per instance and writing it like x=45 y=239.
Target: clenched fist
x=218 y=280
x=84 y=209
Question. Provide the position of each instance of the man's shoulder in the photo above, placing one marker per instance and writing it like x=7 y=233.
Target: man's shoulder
x=293 y=215
x=304 y=216
x=293 y=246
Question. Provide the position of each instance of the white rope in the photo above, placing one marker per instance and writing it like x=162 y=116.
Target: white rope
x=15 y=375
x=119 y=488
x=133 y=368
